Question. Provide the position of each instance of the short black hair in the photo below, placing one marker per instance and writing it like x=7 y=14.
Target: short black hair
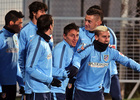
x=95 y=10
x=35 y=6
x=44 y=22
x=69 y=27
x=96 y=7
x=13 y=15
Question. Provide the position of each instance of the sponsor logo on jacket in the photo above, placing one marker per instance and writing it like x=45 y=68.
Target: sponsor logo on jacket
x=98 y=65
x=12 y=50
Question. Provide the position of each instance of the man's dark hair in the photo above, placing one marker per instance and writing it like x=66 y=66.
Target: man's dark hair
x=96 y=7
x=35 y=6
x=13 y=15
x=70 y=27
x=44 y=22
x=95 y=10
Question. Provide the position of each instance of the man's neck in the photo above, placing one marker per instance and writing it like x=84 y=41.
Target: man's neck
x=7 y=27
x=34 y=21
x=48 y=33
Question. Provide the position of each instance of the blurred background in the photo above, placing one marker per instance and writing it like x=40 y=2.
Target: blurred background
x=123 y=16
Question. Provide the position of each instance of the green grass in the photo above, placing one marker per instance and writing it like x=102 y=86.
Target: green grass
x=133 y=99
x=18 y=98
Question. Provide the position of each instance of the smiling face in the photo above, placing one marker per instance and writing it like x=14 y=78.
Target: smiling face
x=72 y=37
x=103 y=37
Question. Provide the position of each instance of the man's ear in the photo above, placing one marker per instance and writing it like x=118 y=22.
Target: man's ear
x=99 y=23
x=33 y=13
x=96 y=37
x=64 y=36
x=50 y=27
x=11 y=23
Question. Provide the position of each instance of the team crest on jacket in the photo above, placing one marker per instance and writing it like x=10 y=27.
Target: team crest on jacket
x=106 y=57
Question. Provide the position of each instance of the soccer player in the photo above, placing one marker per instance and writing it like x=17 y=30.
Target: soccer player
x=28 y=32
x=62 y=57
x=94 y=72
x=93 y=18
x=38 y=70
x=9 y=69
x=115 y=91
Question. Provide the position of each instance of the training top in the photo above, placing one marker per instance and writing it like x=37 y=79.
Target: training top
x=94 y=67
x=38 y=74
x=62 y=57
x=86 y=37
x=27 y=33
x=9 y=69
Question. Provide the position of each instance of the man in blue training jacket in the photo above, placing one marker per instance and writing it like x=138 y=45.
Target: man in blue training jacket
x=28 y=32
x=94 y=72
x=93 y=18
x=115 y=91
x=9 y=69
x=62 y=57
x=38 y=68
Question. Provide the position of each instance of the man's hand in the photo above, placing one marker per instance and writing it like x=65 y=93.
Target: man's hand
x=21 y=90
x=56 y=82
x=72 y=71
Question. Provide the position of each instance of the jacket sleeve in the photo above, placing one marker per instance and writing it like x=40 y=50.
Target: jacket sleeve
x=124 y=60
x=19 y=77
x=59 y=63
x=113 y=39
x=113 y=44
x=81 y=53
x=22 y=52
x=32 y=60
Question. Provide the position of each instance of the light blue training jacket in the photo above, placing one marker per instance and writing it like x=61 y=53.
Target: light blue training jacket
x=9 y=69
x=94 y=67
x=86 y=37
x=27 y=33
x=62 y=57
x=38 y=74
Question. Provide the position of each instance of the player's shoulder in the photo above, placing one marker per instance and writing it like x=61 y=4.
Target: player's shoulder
x=59 y=45
x=1 y=35
x=1 y=31
x=25 y=26
x=84 y=47
x=81 y=29
x=110 y=30
x=29 y=26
